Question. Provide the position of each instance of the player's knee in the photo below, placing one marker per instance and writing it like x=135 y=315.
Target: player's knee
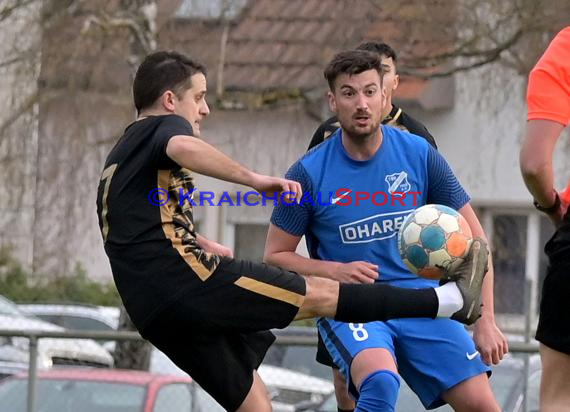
x=321 y=298
x=379 y=392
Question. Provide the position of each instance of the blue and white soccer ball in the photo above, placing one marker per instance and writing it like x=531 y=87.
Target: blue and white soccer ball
x=433 y=240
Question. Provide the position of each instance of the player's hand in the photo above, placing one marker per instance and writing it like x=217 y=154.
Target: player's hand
x=489 y=341
x=220 y=250
x=214 y=247
x=355 y=272
x=271 y=185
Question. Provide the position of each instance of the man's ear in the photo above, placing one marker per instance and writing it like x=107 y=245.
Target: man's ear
x=384 y=93
x=332 y=101
x=396 y=81
x=167 y=101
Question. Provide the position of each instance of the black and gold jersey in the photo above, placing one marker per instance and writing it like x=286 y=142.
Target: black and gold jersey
x=396 y=118
x=146 y=219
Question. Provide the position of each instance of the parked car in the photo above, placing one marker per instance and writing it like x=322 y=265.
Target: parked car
x=8 y=368
x=104 y=390
x=297 y=357
x=75 y=315
x=507 y=383
x=51 y=351
x=287 y=387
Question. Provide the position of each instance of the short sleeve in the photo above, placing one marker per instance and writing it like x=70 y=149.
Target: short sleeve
x=443 y=186
x=324 y=131
x=318 y=137
x=548 y=93
x=295 y=218
x=418 y=128
x=170 y=126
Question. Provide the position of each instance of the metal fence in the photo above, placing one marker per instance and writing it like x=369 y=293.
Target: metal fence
x=289 y=374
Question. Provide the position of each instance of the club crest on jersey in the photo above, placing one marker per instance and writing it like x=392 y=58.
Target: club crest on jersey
x=398 y=182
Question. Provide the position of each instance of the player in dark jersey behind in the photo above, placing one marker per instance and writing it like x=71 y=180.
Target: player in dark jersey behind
x=548 y=99
x=186 y=294
x=391 y=114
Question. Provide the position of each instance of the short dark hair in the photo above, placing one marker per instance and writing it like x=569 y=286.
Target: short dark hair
x=162 y=71
x=382 y=49
x=352 y=62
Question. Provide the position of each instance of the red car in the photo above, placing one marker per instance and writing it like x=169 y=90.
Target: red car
x=105 y=390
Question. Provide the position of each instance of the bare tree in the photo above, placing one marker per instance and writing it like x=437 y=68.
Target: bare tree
x=442 y=37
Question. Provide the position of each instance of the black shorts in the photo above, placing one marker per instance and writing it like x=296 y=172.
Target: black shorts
x=323 y=355
x=219 y=333
x=554 y=323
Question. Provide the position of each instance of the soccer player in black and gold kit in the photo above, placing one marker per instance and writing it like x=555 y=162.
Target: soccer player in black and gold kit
x=393 y=115
x=186 y=294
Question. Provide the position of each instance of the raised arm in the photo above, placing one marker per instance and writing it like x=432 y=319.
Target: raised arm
x=199 y=156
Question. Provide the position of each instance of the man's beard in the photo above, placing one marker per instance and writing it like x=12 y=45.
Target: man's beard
x=360 y=135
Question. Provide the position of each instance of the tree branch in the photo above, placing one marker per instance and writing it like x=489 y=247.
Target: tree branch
x=8 y=10
x=24 y=108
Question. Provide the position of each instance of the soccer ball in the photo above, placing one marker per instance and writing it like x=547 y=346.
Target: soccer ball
x=434 y=240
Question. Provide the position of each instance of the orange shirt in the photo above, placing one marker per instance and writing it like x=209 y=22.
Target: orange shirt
x=548 y=94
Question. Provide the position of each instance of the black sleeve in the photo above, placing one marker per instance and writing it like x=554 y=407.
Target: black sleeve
x=318 y=136
x=323 y=131
x=417 y=128
x=170 y=126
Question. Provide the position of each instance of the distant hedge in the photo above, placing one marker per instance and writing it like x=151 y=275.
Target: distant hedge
x=19 y=285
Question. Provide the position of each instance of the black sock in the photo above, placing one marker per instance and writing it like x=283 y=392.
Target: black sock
x=367 y=303
x=345 y=410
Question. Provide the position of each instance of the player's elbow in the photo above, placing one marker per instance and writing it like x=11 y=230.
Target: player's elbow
x=279 y=246
x=532 y=168
x=272 y=253
x=269 y=257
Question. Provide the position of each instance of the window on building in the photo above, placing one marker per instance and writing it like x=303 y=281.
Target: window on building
x=250 y=241
x=546 y=232
x=210 y=9
x=509 y=252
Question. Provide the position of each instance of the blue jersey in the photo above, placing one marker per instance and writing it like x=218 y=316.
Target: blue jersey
x=352 y=210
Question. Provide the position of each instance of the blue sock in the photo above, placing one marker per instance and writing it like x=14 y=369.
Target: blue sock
x=378 y=392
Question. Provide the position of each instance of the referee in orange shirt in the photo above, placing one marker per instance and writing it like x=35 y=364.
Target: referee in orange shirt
x=548 y=100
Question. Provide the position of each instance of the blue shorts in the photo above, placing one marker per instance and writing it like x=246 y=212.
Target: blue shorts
x=432 y=355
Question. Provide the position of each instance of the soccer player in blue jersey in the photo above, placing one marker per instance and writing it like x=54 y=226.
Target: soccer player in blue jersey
x=352 y=238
